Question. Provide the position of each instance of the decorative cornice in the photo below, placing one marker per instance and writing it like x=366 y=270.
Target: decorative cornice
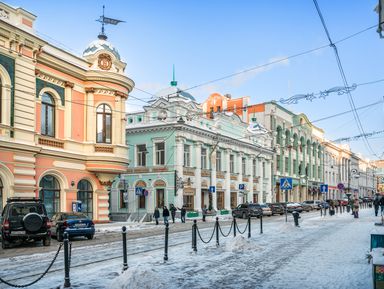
x=104 y=91
x=121 y=94
x=89 y=90
x=49 y=78
x=69 y=84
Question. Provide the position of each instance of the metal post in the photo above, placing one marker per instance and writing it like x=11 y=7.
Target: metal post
x=261 y=224
x=249 y=226
x=217 y=231
x=321 y=211
x=286 y=208
x=166 y=242
x=234 y=226
x=125 y=262
x=194 y=236
x=67 y=281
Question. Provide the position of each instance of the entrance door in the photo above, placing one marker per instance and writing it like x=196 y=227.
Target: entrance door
x=50 y=194
x=160 y=198
x=220 y=200
x=233 y=200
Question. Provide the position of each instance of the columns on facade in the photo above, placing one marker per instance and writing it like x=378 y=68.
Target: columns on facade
x=90 y=115
x=68 y=110
x=261 y=179
x=240 y=170
x=197 y=204
x=268 y=173
x=227 y=193
x=179 y=169
x=250 y=179
x=212 y=161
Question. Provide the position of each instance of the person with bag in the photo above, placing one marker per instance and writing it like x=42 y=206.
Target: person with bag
x=165 y=215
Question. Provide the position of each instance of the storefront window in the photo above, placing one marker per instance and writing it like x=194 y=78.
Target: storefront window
x=50 y=194
x=85 y=195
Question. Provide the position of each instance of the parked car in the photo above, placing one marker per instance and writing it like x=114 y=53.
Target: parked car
x=314 y=203
x=277 y=208
x=344 y=202
x=267 y=211
x=306 y=207
x=324 y=205
x=243 y=210
x=75 y=224
x=294 y=207
x=24 y=219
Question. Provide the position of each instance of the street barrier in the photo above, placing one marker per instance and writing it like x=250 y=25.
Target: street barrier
x=67 y=260
x=39 y=278
x=166 y=242
x=125 y=258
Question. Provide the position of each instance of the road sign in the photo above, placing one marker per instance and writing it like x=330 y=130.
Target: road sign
x=212 y=189
x=324 y=188
x=340 y=186
x=286 y=183
x=138 y=191
x=241 y=186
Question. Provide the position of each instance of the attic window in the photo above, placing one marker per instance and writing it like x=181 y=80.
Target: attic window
x=130 y=120
x=139 y=119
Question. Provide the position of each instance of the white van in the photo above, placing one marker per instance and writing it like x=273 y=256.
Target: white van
x=315 y=204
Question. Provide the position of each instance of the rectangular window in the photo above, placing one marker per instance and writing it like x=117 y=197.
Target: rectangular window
x=232 y=164
x=160 y=153
x=218 y=161
x=123 y=204
x=220 y=200
x=188 y=202
x=203 y=158
x=278 y=163
x=264 y=170
x=286 y=164
x=142 y=202
x=243 y=166
x=313 y=171
x=254 y=168
x=141 y=153
x=187 y=155
x=295 y=167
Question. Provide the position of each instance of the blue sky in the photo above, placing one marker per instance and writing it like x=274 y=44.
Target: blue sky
x=207 y=40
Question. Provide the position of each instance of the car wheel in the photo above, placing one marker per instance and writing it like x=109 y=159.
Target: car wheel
x=47 y=241
x=90 y=237
x=32 y=222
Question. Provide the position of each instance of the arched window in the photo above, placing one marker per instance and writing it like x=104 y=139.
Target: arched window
x=287 y=138
x=47 y=115
x=50 y=194
x=308 y=147
x=279 y=135
x=85 y=195
x=1 y=100
x=1 y=196
x=104 y=124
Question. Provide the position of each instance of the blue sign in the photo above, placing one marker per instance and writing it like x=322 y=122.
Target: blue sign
x=138 y=191
x=76 y=206
x=212 y=189
x=286 y=184
x=324 y=188
x=241 y=186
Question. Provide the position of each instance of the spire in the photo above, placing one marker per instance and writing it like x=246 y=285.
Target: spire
x=106 y=20
x=173 y=82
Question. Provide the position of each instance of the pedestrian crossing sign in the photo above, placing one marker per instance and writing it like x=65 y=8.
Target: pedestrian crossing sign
x=286 y=184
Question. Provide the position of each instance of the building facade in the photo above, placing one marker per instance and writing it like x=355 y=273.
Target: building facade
x=298 y=144
x=62 y=118
x=180 y=156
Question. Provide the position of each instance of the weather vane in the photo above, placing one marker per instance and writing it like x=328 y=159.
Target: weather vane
x=106 y=20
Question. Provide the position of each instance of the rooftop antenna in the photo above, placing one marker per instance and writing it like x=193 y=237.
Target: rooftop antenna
x=106 y=20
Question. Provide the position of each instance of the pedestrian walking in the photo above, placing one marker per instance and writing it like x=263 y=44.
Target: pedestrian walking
x=183 y=211
x=204 y=212
x=173 y=210
x=296 y=217
x=376 y=204
x=356 y=208
x=156 y=215
x=381 y=203
x=165 y=215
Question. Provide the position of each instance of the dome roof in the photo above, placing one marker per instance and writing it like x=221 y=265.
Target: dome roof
x=172 y=92
x=98 y=45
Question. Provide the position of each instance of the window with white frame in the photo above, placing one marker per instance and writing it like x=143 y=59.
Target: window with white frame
x=47 y=115
x=103 y=124
x=187 y=155
x=141 y=155
x=218 y=161
x=232 y=164
x=203 y=158
x=160 y=153
x=243 y=166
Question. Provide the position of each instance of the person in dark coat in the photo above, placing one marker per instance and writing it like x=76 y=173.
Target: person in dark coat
x=296 y=217
x=183 y=211
x=204 y=212
x=156 y=215
x=173 y=209
x=165 y=215
x=356 y=208
x=381 y=203
x=376 y=204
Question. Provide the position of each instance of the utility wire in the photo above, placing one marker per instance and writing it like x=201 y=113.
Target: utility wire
x=342 y=73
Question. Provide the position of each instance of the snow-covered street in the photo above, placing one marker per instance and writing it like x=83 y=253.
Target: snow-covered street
x=325 y=252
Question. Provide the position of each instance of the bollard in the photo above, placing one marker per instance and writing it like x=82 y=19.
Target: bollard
x=217 y=231
x=194 y=236
x=67 y=281
x=166 y=242
x=249 y=226
x=261 y=224
x=125 y=262
x=234 y=226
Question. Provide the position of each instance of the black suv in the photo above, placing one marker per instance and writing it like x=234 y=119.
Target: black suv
x=24 y=219
x=277 y=209
x=243 y=210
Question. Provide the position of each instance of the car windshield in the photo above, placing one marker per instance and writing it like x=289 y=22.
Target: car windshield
x=308 y=202
x=264 y=206
x=74 y=216
x=253 y=206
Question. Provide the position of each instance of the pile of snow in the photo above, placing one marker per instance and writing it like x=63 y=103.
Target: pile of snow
x=241 y=244
x=142 y=277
